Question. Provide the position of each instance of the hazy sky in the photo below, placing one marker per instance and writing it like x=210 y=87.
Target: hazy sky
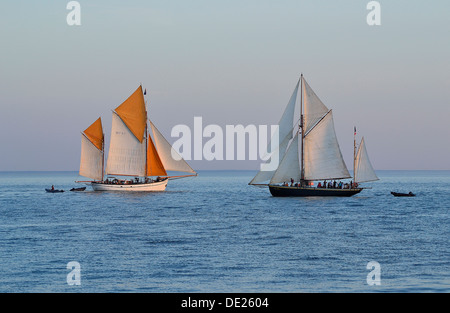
x=231 y=62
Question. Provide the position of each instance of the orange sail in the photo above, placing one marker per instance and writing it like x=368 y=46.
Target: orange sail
x=133 y=113
x=154 y=164
x=95 y=134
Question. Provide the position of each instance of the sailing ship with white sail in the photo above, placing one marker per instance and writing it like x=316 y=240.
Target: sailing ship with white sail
x=309 y=152
x=135 y=162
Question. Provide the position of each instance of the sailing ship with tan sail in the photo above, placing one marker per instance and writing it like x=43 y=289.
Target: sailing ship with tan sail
x=309 y=152
x=135 y=162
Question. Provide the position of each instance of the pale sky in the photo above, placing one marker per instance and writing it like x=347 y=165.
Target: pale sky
x=230 y=62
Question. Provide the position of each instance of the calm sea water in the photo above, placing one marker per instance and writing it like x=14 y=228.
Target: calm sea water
x=214 y=233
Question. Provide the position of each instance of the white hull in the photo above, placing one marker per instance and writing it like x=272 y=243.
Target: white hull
x=154 y=186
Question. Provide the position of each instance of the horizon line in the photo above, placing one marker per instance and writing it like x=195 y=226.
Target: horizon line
x=222 y=170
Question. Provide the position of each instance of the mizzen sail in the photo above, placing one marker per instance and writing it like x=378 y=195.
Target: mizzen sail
x=364 y=171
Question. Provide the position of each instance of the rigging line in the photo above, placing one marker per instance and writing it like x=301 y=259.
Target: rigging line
x=321 y=119
x=179 y=177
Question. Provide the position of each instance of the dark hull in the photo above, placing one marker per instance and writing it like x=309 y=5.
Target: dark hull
x=282 y=191
x=54 y=190
x=396 y=194
x=78 y=189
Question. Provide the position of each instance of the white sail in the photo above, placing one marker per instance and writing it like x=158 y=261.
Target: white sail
x=91 y=163
x=322 y=155
x=127 y=156
x=287 y=119
x=363 y=168
x=264 y=176
x=289 y=167
x=170 y=158
x=285 y=134
x=314 y=109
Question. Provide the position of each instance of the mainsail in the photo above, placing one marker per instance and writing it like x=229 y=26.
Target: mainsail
x=364 y=171
x=91 y=163
x=320 y=156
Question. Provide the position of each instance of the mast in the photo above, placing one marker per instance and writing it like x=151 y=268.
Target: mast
x=146 y=151
x=354 y=155
x=103 y=157
x=146 y=134
x=302 y=167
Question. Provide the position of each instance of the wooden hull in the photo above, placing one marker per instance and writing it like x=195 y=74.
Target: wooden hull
x=284 y=191
x=153 y=186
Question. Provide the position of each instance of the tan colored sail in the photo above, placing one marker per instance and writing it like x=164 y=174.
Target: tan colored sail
x=154 y=164
x=133 y=113
x=91 y=161
x=127 y=155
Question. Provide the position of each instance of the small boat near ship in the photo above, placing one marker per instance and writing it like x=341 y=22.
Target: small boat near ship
x=309 y=152
x=140 y=164
x=78 y=189
x=399 y=194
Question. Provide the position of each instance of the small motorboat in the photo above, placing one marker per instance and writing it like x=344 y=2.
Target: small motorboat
x=397 y=194
x=78 y=189
x=54 y=190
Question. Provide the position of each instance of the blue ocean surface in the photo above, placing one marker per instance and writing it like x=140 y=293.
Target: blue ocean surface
x=214 y=233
